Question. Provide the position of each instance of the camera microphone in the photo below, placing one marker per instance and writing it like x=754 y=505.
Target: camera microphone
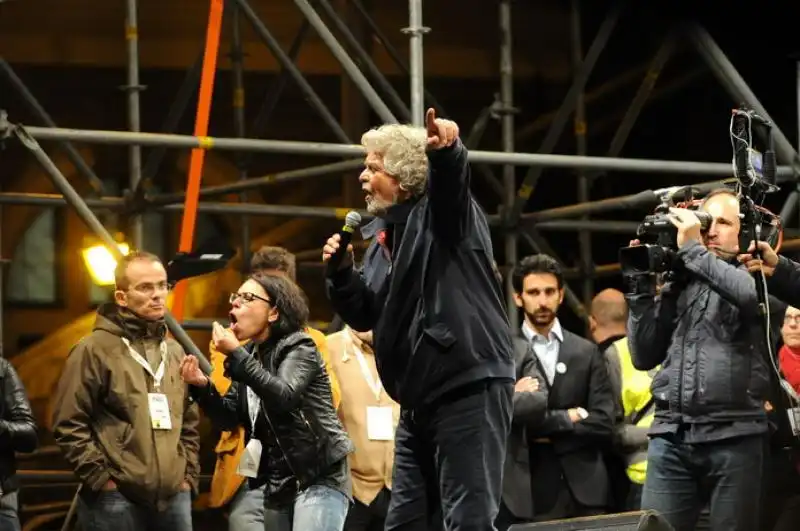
x=351 y=222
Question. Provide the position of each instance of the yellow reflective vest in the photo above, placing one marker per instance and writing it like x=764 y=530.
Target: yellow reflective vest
x=635 y=397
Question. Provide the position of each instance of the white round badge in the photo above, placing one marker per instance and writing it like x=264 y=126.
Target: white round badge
x=561 y=368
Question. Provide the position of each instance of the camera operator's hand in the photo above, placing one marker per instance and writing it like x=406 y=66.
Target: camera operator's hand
x=767 y=262
x=687 y=223
x=634 y=243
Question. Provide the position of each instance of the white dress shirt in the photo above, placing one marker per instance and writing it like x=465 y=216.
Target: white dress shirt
x=546 y=348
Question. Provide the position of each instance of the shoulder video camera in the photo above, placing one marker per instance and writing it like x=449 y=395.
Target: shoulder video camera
x=659 y=236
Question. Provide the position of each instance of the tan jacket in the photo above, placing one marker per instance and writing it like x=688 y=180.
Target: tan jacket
x=372 y=463
x=101 y=417
x=230 y=447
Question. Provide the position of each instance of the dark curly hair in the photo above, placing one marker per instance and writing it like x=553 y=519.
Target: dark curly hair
x=536 y=264
x=289 y=300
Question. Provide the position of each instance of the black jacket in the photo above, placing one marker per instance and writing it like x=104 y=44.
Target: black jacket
x=17 y=425
x=785 y=282
x=430 y=295
x=297 y=424
x=704 y=335
x=530 y=410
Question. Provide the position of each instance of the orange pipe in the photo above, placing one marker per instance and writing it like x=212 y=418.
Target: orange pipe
x=198 y=154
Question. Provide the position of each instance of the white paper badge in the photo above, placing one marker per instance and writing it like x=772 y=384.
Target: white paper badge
x=159 y=411
x=251 y=458
x=380 y=423
x=561 y=367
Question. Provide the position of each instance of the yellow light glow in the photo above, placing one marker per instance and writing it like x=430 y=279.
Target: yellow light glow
x=101 y=263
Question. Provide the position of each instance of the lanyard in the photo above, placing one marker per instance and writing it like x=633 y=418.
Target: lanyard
x=374 y=383
x=253 y=405
x=159 y=374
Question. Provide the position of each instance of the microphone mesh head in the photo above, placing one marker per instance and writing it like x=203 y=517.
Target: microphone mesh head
x=352 y=219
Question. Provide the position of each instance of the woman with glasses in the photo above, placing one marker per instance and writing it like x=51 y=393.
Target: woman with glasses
x=281 y=394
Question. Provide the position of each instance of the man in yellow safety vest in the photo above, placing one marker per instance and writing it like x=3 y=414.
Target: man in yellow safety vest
x=631 y=387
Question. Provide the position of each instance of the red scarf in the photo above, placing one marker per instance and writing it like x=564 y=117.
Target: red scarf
x=789 y=359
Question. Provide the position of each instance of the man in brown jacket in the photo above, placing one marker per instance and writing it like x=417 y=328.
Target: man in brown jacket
x=122 y=415
x=227 y=487
x=369 y=416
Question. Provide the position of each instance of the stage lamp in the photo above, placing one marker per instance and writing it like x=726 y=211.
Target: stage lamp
x=101 y=263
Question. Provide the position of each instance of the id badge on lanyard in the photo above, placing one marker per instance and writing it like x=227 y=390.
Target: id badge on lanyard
x=251 y=457
x=160 y=418
x=380 y=419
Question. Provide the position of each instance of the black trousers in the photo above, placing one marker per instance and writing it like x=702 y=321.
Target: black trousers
x=449 y=460
x=370 y=517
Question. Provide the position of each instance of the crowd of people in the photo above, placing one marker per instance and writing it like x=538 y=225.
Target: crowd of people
x=429 y=409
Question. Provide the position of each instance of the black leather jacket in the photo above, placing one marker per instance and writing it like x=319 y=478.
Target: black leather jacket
x=301 y=435
x=704 y=336
x=17 y=425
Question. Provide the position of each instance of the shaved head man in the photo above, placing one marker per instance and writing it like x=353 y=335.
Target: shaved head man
x=608 y=316
x=633 y=412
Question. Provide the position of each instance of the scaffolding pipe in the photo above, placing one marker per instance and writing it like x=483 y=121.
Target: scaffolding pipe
x=415 y=32
x=789 y=207
x=84 y=212
x=567 y=106
x=238 y=104
x=267 y=180
x=364 y=58
x=640 y=98
x=640 y=200
x=134 y=114
x=259 y=126
x=473 y=140
x=736 y=86
x=72 y=154
x=589 y=226
x=152 y=163
x=586 y=261
x=253 y=209
x=119 y=203
x=353 y=150
x=287 y=64
x=507 y=134
x=347 y=63
x=394 y=55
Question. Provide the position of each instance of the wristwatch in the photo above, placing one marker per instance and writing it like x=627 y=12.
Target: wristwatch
x=582 y=413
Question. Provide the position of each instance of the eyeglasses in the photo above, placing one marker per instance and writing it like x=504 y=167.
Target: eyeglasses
x=247 y=297
x=792 y=319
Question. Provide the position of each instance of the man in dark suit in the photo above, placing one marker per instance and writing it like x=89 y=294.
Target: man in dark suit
x=569 y=476
x=530 y=409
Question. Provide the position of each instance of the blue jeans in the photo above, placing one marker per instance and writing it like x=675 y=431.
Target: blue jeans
x=682 y=478
x=111 y=511
x=247 y=509
x=319 y=508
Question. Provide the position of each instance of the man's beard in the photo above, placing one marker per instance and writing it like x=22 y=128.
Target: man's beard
x=542 y=317
x=379 y=207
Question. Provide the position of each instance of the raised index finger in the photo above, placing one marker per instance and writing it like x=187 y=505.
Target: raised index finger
x=430 y=120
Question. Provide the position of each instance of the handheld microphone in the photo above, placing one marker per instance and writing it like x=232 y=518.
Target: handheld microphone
x=351 y=222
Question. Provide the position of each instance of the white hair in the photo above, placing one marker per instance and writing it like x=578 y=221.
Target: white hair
x=403 y=149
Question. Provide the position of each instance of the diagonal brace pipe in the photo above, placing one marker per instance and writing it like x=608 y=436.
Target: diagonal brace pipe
x=347 y=63
x=566 y=109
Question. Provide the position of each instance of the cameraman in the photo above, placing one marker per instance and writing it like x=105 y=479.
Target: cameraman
x=707 y=439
